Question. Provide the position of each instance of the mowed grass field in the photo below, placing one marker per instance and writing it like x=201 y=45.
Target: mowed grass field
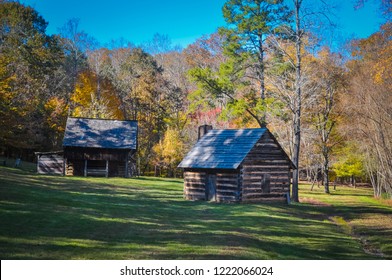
x=51 y=217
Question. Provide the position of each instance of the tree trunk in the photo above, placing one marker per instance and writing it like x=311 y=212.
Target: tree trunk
x=297 y=118
x=353 y=181
x=326 y=175
x=261 y=77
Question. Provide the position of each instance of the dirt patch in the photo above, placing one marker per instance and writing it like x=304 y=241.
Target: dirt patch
x=387 y=202
x=370 y=249
x=313 y=201
x=348 y=228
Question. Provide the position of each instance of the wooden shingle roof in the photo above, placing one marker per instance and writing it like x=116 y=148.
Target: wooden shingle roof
x=222 y=148
x=98 y=133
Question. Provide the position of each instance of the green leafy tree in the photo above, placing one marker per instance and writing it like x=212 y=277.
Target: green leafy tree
x=350 y=164
x=250 y=23
x=237 y=84
x=29 y=61
x=228 y=89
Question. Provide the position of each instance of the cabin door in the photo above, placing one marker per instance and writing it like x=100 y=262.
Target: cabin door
x=211 y=187
x=265 y=183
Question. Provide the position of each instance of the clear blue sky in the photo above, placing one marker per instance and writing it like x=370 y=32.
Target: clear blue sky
x=182 y=20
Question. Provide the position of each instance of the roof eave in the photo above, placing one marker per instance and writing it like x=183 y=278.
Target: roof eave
x=92 y=147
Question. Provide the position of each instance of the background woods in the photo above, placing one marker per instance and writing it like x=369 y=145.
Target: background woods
x=329 y=108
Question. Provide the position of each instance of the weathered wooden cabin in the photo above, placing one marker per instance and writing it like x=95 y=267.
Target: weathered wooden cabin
x=97 y=147
x=234 y=165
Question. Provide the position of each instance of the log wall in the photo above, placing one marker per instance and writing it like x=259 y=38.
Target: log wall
x=266 y=163
x=264 y=175
x=195 y=185
x=226 y=185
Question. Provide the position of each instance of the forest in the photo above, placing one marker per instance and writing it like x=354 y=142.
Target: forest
x=271 y=65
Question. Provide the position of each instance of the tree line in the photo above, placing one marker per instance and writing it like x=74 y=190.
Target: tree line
x=270 y=66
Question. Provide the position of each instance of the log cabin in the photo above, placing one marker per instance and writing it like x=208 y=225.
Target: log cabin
x=98 y=147
x=237 y=165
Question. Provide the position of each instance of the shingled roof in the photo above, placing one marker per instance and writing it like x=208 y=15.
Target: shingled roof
x=98 y=133
x=222 y=148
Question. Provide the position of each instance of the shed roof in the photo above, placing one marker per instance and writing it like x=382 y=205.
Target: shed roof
x=99 y=133
x=222 y=148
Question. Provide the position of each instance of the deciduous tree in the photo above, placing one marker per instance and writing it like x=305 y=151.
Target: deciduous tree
x=29 y=60
x=325 y=114
x=369 y=102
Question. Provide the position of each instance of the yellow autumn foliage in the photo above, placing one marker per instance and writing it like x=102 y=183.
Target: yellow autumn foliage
x=171 y=149
x=95 y=97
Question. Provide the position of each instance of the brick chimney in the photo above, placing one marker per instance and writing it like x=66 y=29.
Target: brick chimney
x=203 y=129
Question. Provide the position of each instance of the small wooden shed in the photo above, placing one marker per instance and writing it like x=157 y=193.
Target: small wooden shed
x=99 y=147
x=234 y=165
x=50 y=162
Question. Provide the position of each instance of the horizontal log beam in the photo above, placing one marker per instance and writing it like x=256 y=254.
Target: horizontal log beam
x=220 y=186
x=227 y=191
x=247 y=195
x=258 y=187
x=190 y=189
x=257 y=180
x=261 y=150
x=227 y=179
x=259 y=191
x=197 y=181
x=193 y=185
x=261 y=163
x=228 y=176
x=195 y=194
x=259 y=175
x=194 y=177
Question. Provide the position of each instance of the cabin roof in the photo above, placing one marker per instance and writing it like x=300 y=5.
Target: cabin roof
x=99 y=133
x=222 y=148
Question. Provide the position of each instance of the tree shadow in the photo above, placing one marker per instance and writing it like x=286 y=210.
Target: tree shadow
x=73 y=218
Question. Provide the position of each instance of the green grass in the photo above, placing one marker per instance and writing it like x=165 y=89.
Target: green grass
x=24 y=165
x=49 y=217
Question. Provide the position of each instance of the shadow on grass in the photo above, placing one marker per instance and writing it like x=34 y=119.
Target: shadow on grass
x=156 y=179
x=70 y=218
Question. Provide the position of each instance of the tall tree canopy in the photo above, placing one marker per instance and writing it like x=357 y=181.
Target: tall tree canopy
x=250 y=22
x=29 y=60
x=369 y=104
x=238 y=82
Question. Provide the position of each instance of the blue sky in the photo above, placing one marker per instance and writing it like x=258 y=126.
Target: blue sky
x=182 y=20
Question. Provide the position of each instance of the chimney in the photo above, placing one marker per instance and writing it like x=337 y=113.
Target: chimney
x=203 y=129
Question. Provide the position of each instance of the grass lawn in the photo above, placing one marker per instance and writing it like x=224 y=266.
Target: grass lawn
x=48 y=217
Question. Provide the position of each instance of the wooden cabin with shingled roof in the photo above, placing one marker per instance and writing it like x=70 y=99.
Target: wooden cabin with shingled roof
x=237 y=165
x=98 y=147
